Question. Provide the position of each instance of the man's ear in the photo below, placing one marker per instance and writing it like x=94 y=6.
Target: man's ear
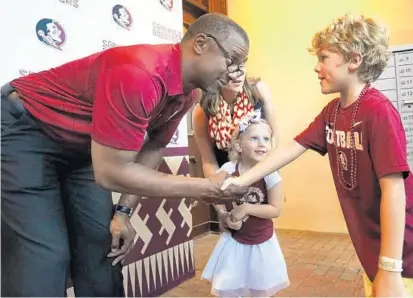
x=200 y=43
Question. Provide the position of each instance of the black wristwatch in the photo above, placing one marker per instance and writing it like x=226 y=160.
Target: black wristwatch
x=123 y=209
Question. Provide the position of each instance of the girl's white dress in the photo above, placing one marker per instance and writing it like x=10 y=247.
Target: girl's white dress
x=237 y=269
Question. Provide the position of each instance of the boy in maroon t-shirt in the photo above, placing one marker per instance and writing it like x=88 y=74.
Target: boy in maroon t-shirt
x=365 y=139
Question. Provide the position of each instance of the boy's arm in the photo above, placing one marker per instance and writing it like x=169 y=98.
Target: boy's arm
x=274 y=161
x=387 y=149
x=313 y=137
x=388 y=280
x=392 y=215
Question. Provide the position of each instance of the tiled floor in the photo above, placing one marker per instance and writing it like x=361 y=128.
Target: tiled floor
x=319 y=264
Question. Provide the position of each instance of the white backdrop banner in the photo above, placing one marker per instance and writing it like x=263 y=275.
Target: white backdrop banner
x=47 y=33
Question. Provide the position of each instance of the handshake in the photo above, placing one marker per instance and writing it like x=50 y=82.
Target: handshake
x=222 y=188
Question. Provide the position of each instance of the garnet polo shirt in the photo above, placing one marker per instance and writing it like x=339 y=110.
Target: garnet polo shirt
x=113 y=97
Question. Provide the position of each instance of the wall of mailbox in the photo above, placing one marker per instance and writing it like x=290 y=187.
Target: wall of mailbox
x=397 y=83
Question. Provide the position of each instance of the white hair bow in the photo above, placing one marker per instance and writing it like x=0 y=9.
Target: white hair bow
x=245 y=122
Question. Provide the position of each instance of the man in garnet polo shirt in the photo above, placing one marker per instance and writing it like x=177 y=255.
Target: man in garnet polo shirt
x=74 y=133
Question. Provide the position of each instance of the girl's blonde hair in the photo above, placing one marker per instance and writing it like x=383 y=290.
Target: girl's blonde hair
x=356 y=34
x=233 y=154
x=210 y=102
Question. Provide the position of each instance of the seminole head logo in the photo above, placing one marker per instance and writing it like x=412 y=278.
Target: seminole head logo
x=122 y=16
x=168 y=4
x=51 y=33
x=253 y=196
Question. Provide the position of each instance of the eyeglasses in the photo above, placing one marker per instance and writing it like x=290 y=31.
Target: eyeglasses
x=234 y=69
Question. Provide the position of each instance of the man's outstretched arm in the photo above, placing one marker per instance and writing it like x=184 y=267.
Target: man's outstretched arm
x=150 y=156
x=117 y=170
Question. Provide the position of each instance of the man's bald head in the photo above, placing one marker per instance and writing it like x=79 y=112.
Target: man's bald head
x=218 y=25
x=214 y=50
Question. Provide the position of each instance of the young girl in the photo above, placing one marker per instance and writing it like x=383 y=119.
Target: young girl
x=247 y=260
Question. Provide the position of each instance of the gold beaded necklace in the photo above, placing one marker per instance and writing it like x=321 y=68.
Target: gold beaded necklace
x=353 y=153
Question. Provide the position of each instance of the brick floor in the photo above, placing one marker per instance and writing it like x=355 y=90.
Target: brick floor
x=319 y=265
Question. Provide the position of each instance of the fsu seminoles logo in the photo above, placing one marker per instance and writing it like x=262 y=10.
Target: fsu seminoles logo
x=253 y=196
x=50 y=33
x=168 y=4
x=122 y=16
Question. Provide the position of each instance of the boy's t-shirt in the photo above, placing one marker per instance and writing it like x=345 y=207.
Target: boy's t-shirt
x=381 y=150
x=254 y=230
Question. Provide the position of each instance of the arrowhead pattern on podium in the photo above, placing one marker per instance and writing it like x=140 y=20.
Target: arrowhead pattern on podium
x=164 y=248
x=158 y=270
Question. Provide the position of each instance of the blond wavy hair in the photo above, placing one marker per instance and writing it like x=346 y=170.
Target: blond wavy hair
x=210 y=102
x=233 y=154
x=356 y=34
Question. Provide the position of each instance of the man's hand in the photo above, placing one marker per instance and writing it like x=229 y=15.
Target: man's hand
x=216 y=195
x=234 y=192
x=123 y=237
